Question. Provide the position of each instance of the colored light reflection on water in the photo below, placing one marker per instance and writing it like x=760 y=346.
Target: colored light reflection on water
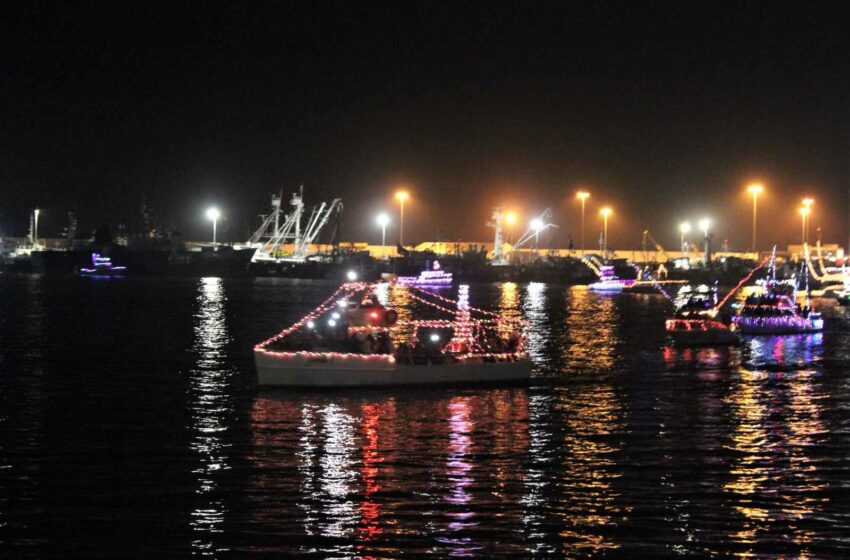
x=158 y=443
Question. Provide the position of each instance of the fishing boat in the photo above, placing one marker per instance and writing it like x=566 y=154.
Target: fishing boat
x=774 y=311
x=697 y=321
x=434 y=276
x=102 y=266
x=608 y=281
x=352 y=340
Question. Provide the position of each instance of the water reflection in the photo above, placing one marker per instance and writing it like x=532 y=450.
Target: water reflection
x=590 y=324
x=537 y=335
x=211 y=411
x=785 y=351
x=360 y=465
x=776 y=484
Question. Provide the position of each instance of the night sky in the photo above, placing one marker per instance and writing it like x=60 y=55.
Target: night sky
x=665 y=111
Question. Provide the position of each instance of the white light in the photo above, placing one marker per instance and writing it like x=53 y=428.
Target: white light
x=352 y=276
x=435 y=337
x=383 y=220
x=311 y=325
x=213 y=213
x=704 y=224
x=331 y=323
x=342 y=303
x=537 y=224
x=335 y=315
x=685 y=227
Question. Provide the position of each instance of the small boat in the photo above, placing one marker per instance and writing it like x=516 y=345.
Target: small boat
x=102 y=266
x=696 y=323
x=775 y=311
x=608 y=281
x=351 y=340
x=433 y=277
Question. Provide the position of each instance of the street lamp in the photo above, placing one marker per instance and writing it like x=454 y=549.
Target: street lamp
x=684 y=229
x=755 y=190
x=582 y=195
x=401 y=196
x=35 y=214
x=213 y=214
x=807 y=204
x=383 y=220
x=537 y=225
x=704 y=224
x=510 y=220
x=605 y=213
x=804 y=215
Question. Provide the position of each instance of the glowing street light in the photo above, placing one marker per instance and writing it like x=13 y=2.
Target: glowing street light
x=605 y=212
x=510 y=220
x=684 y=229
x=807 y=204
x=401 y=196
x=35 y=214
x=704 y=225
x=213 y=214
x=383 y=220
x=804 y=215
x=582 y=195
x=537 y=225
x=755 y=190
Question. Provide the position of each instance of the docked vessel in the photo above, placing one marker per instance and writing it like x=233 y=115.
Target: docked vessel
x=351 y=340
x=774 y=310
x=608 y=281
x=102 y=266
x=432 y=277
x=697 y=322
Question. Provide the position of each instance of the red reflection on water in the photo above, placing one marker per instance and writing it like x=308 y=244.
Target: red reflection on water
x=370 y=510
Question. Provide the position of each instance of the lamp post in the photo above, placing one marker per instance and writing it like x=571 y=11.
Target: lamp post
x=807 y=204
x=804 y=215
x=538 y=225
x=755 y=190
x=684 y=229
x=510 y=220
x=582 y=195
x=605 y=213
x=704 y=224
x=383 y=221
x=213 y=214
x=35 y=213
x=401 y=196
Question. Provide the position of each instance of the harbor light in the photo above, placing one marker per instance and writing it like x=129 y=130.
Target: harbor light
x=401 y=196
x=804 y=215
x=383 y=220
x=704 y=224
x=583 y=196
x=311 y=325
x=35 y=214
x=755 y=189
x=605 y=212
x=351 y=275
x=510 y=218
x=684 y=229
x=213 y=214
x=435 y=337
x=537 y=225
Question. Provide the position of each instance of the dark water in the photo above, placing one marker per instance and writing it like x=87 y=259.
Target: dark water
x=131 y=426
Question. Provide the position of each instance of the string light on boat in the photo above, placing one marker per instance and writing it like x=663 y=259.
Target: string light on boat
x=351 y=275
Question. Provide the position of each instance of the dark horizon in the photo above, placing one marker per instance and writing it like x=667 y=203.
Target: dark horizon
x=665 y=113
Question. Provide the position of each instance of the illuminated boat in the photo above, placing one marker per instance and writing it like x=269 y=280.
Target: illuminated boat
x=351 y=340
x=775 y=311
x=608 y=281
x=434 y=277
x=102 y=266
x=696 y=323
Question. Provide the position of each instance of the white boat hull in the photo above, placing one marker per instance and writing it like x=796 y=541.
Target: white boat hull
x=304 y=371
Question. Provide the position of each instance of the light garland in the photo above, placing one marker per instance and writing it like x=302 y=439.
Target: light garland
x=464 y=326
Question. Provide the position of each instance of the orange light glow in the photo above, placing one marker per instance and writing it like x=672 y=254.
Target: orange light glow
x=605 y=212
x=755 y=189
x=402 y=195
x=582 y=195
x=510 y=218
